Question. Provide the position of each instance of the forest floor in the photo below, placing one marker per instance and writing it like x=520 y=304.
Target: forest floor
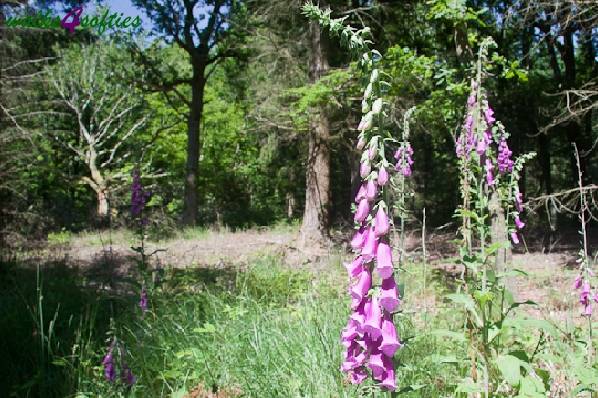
x=253 y=295
x=548 y=281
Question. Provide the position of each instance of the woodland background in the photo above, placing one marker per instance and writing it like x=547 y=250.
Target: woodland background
x=219 y=113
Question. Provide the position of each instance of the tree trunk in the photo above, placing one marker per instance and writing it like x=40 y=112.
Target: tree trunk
x=97 y=182
x=189 y=217
x=313 y=235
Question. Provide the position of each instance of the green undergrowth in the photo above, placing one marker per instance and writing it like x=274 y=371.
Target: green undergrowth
x=265 y=331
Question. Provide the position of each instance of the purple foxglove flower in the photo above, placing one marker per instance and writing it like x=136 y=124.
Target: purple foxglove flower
x=365 y=169
x=382 y=176
x=382 y=224
x=370 y=247
x=471 y=100
x=384 y=260
x=108 y=362
x=481 y=147
x=349 y=333
x=489 y=176
x=143 y=300
x=138 y=195
x=359 y=312
x=355 y=267
x=459 y=151
x=373 y=320
x=362 y=287
x=358 y=239
x=357 y=376
x=584 y=298
x=373 y=151
x=376 y=364
x=126 y=376
x=578 y=282
x=518 y=200
x=371 y=190
x=354 y=357
x=366 y=122
x=389 y=381
x=515 y=238
x=360 y=143
x=361 y=193
x=468 y=123
x=518 y=223
x=489 y=115
x=390 y=344
x=504 y=157
x=363 y=209
x=389 y=295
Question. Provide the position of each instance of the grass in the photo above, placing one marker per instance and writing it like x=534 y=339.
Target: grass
x=267 y=331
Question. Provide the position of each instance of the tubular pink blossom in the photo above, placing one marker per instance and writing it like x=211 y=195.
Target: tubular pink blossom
x=389 y=381
x=371 y=190
x=489 y=115
x=382 y=176
x=361 y=193
x=363 y=209
x=373 y=320
x=389 y=295
x=362 y=287
x=358 y=239
x=357 y=376
x=390 y=344
x=370 y=246
x=384 y=260
x=518 y=223
x=382 y=224
x=578 y=282
x=355 y=267
x=358 y=314
x=372 y=151
x=515 y=238
x=360 y=143
x=376 y=365
x=365 y=169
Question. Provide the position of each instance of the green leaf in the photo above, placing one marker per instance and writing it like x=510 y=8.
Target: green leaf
x=510 y=367
x=468 y=386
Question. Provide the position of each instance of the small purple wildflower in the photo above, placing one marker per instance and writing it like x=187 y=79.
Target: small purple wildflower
x=139 y=196
x=108 y=362
x=404 y=158
x=127 y=376
x=504 y=157
x=143 y=300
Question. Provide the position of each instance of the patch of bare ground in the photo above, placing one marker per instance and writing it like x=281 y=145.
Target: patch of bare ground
x=200 y=391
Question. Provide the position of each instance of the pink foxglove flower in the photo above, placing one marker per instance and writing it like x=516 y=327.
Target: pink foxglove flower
x=370 y=246
x=384 y=261
x=515 y=237
x=382 y=176
x=357 y=376
x=578 y=282
x=371 y=190
x=389 y=382
x=143 y=300
x=360 y=193
x=489 y=115
x=373 y=320
x=355 y=267
x=365 y=169
x=584 y=298
x=505 y=164
x=108 y=362
x=518 y=223
x=389 y=295
x=382 y=223
x=390 y=344
x=360 y=143
x=358 y=239
x=363 y=209
x=362 y=287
